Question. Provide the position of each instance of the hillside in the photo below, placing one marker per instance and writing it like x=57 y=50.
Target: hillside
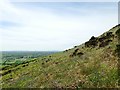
x=93 y=64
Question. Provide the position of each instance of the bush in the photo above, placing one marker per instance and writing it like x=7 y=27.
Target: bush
x=118 y=46
x=92 y=42
x=118 y=32
x=118 y=50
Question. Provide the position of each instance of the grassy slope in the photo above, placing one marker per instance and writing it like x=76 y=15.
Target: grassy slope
x=97 y=67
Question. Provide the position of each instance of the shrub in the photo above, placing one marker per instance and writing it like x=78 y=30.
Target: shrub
x=109 y=34
x=118 y=49
x=118 y=32
x=75 y=46
x=76 y=50
x=118 y=35
x=92 y=42
x=105 y=43
x=80 y=54
x=118 y=52
x=118 y=46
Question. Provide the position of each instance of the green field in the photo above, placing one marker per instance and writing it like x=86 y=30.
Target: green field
x=19 y=57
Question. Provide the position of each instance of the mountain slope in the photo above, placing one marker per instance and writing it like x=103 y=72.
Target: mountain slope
x=91 y=65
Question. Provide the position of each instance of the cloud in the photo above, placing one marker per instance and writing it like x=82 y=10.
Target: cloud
x=53 y=28
x=64 y=1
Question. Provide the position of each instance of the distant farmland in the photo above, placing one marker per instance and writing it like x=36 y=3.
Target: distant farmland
x=10 y=57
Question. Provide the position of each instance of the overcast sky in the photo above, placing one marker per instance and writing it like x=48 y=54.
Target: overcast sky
x=47 y=26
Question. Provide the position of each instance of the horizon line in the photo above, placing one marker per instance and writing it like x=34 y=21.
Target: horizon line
x=32 y=50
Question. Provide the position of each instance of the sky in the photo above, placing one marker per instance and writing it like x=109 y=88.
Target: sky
x=49 y=26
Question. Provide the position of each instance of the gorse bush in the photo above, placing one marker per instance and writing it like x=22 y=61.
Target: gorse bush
x=118 y=45
x=118 y=49
x=118 y=32
x=118 y=35
x=118 y=53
